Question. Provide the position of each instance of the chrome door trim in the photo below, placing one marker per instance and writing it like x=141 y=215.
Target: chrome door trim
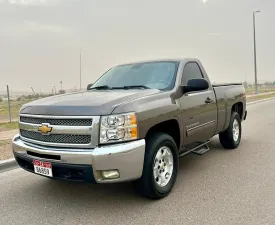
x=194 y=130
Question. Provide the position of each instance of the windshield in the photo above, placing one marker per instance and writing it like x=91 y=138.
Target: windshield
x=157 y=75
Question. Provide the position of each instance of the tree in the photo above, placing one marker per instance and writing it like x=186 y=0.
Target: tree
x=1 y=100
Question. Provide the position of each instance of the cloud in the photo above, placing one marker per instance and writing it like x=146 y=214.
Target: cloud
x=37 y=27
x=28 y=28
x=29 y=2
x=213 y=34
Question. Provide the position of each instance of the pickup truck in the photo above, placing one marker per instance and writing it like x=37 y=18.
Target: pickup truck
x=132 y=124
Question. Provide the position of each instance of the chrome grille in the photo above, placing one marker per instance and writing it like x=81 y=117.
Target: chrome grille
x=66 y=131
x=61 y=122
x=56 y=138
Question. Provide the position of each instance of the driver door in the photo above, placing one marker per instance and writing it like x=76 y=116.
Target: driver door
x=198 y=109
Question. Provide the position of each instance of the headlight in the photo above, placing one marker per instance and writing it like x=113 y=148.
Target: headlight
x=115 y=128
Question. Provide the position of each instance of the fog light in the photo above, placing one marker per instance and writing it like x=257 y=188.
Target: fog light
x=110 y=174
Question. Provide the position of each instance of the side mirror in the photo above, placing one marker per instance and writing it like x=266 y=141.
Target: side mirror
x=89 y=86
x=198 y=84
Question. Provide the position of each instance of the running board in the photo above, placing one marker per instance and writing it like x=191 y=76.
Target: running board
x=200 y=149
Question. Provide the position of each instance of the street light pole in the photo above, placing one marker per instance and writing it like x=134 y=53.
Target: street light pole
x=255 y=53
x=80 y=72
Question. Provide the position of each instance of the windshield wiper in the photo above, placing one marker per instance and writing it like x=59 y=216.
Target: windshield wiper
x=103 y=87
x=136 y=86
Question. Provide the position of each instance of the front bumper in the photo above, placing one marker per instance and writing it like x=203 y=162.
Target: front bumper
x=85 y=164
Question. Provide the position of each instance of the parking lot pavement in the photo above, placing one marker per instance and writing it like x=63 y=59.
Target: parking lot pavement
x=219 y=187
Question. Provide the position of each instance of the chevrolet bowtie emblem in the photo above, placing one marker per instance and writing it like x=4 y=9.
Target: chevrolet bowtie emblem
x=45 y=129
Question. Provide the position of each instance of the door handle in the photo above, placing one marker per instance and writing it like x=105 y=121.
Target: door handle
x=208 y=100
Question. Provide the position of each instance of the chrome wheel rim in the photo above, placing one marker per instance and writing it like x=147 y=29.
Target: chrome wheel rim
x=236 y=130
x=163 y=166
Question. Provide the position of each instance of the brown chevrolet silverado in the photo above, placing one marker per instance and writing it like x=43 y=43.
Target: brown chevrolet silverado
x=132 y=124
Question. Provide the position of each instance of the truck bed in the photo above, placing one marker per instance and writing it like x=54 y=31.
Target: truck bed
x=226 y=96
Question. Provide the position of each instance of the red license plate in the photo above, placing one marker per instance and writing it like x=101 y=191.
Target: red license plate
x=43 y=168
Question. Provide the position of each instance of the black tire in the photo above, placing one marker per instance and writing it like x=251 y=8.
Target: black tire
x=226 y=137
x=146 y=186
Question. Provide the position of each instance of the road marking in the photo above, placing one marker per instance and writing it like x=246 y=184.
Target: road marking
x=263 y=100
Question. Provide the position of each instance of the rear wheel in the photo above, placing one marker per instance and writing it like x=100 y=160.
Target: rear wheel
x=160 y=167
x=231 y=137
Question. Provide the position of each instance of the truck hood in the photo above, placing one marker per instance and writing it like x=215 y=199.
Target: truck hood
x=89 y=103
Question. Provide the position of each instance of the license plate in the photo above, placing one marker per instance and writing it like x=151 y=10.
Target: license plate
x=43 y=168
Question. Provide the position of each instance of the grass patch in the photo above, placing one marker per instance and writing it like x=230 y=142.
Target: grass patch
x=15 y=107
x=9 y=126
x=251 y=90
x=4 y=142
x=260 y=97
x=5 y=150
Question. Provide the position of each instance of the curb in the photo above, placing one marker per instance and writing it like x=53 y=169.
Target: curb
x=7 y=164
x=263 y=100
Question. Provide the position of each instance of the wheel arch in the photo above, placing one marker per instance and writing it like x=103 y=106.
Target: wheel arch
x=237 y=107
x=170 y=127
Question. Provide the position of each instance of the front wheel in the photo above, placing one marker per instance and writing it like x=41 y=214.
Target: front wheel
x=231 y=137
x=160 y=167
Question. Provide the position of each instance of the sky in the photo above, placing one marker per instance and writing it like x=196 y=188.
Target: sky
x=41 y=40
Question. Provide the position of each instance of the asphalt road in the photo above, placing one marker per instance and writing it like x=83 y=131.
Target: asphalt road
x=220 y=187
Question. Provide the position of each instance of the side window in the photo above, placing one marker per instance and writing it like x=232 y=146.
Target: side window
x=191 y=71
